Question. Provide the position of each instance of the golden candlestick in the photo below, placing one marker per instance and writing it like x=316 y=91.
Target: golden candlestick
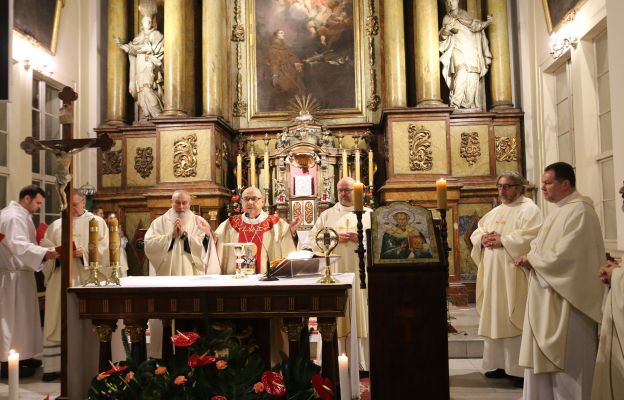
x=113 y=249
x=94 y=265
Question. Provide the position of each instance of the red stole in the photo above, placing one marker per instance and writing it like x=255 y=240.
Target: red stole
x=253 y=233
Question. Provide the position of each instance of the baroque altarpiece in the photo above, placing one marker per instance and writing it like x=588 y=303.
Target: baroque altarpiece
x=304 y=92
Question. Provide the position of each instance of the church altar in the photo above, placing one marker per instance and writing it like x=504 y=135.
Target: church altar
x=140 y=298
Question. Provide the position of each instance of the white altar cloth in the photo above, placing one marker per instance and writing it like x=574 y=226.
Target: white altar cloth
x=76 y=361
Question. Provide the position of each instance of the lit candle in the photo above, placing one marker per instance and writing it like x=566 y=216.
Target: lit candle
x=93 y=240
x=343 y=374
x=252 y=164
x=267 y=174
x=13 y=375
x=345 y=166
x=358 y=196
x=371 y=168
x=357 y=164
x=441 y=192
x=113 y=241
x=239 y=171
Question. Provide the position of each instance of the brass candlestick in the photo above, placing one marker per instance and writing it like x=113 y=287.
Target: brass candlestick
x=94 y=265
x=113 y=248
x=327 y=239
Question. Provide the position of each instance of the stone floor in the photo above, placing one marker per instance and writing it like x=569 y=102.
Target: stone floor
x=466 y=374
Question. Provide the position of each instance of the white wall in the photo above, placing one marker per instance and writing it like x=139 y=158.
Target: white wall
x=538 y=95
x=75 y=64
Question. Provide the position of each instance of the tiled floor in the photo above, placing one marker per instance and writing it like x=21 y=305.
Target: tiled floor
x=32 y=388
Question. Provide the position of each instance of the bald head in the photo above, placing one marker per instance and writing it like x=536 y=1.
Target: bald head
x=181 y=201
x=253 y=201
x=345 y=191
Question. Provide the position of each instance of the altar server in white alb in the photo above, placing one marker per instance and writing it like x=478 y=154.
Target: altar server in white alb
x=609 y=372
x=180 y=242
x=559 y=339
x=341 y=218
x=269 y=233
x=80 y=273
x=20 y=257
x=503 y=234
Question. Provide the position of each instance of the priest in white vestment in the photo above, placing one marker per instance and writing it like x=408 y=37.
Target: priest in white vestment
x=178 y=243
x=609 y=371
x=559 y=337
x=20 y=257
x=341 y=218
x=80 y=273
x=273 y=238
x=503 y=234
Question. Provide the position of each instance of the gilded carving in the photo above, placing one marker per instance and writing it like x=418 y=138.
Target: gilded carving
x=372 y=29
x=470 y=149
x=135 y=330
x=104 y=332
x=144 y=161
x=420 y=156
x=112 y=162
x=185 y=157
x=238 y=36
x=506 y=148
x=327 y=330
x=293 y=328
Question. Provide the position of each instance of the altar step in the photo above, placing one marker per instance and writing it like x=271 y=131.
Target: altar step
x=465 y=343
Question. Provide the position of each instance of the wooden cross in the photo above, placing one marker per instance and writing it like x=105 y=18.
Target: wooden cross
x=64 y=150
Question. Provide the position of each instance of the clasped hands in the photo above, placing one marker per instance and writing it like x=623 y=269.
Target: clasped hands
x=604 y=273
x=491 y=240
x=347 y=237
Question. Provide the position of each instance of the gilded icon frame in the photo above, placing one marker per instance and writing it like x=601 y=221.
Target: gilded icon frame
x=556 y=11
x=40 y=22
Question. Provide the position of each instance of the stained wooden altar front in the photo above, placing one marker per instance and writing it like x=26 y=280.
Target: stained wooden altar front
x=194 y=297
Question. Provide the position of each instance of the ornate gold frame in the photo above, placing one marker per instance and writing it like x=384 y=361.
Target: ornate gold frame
x=252 y=83
x=55 y=28
x=557 y=25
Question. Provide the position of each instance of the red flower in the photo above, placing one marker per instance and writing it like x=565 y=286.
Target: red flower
x=218 y=397
x=258 y=387
x=116 y=369
x=180 y=380
x=195 y=360
x=273 y=383
x=184 y=339
x=221 y=364
x=369 y=194
x=322 y=387
x=235 y=197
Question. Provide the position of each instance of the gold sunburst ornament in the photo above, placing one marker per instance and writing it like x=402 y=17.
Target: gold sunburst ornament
x=304 y=108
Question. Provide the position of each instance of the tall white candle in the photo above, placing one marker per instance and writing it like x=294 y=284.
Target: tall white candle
x=239 y=171
x=371 y=168
x=252 y=163
x=343 y=375
x=357 y=164
x=13 y=375
x=345 y=166
x=267 y=174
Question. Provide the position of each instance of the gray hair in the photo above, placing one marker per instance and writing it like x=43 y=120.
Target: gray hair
x=515 y=177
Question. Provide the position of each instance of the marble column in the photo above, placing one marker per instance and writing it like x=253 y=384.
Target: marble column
x=179 y=79
x=214 y=54
x=500 y=75
x=427 y=54
x=394 y=54
x=116 y=64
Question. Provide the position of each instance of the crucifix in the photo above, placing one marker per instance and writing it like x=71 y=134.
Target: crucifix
x=64 y=150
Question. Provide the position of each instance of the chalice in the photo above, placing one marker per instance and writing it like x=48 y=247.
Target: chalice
x=327 y=239
x=239 y=251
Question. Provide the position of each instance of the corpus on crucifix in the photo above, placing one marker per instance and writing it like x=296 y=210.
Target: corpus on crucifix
x=63 y=150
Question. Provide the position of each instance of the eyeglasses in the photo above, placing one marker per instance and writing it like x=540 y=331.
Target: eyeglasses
x=345 y=190
x=251 y=199
x=505 y=186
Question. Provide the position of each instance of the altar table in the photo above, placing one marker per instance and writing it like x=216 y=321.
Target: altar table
x=140 y=298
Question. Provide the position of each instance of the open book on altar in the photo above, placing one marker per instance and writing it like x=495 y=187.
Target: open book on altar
x=306 y=266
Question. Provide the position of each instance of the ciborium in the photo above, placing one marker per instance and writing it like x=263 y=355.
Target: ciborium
x=327 y=240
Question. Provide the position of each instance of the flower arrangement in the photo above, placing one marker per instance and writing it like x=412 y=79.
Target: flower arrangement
x=235 y=206
x=215 y=368
x=369 y=199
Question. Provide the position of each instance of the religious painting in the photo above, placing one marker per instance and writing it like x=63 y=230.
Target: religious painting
x=556 y=11
x=306 y=209
x=304 y=47
x=469 y=216
x=403 y=234
x=39 y=21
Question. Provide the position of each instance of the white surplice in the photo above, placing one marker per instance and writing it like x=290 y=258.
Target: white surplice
x=565 y=256
x=501 y=289
x=20 y=257
x=80 y=274
x=609 y=371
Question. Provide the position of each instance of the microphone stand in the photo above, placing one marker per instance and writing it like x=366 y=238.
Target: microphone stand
x=268 y=276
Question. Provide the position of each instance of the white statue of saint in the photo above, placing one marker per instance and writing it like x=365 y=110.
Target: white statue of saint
x=146 y=53
x=465 y=57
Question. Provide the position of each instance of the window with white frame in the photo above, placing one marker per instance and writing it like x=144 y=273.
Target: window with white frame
x=565 y=120
x=45 y=126
x=4 y=153
x=605 y=157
